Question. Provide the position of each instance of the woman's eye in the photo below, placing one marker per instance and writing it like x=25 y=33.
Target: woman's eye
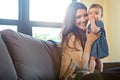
x=89 y=13
x=86 y=15
x=78 y=17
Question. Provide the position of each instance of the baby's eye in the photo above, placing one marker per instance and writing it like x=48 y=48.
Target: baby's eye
x=96 y=13
x=89 y=13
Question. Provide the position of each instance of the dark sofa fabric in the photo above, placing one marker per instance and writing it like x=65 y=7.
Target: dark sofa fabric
x=109 y=65
x=7 y=70
x=33 y=59
x=109 y=74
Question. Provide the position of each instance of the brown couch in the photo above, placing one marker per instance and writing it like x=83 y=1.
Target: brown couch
x=23 y=57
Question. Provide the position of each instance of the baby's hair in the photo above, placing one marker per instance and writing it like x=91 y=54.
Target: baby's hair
x=97 y=6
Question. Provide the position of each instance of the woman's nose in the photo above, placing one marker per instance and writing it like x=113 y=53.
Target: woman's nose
x=83 y=19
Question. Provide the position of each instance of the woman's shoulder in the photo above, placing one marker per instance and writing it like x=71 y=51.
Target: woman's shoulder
x=71 y=35
x=73 y=39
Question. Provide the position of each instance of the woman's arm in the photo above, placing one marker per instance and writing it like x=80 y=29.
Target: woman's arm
x=91 y=38
x=81 y=56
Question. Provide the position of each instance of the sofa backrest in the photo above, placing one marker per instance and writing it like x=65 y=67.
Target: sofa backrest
x=7 y=70
x=33 y=59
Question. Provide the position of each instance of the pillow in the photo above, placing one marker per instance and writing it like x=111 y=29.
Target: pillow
x=34 y=59
x=7 y=70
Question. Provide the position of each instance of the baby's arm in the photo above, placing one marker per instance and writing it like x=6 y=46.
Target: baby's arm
x=94 y=27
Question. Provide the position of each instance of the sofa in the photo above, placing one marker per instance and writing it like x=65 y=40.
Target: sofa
x=23 y=57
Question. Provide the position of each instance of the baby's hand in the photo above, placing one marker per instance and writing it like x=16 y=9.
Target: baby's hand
x=92 y=20
x=94 y=27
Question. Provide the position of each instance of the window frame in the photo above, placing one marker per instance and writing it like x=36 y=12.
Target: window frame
x=24 y=25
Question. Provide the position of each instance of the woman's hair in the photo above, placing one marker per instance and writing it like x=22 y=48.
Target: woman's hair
x=69 y=24
x=97 y=6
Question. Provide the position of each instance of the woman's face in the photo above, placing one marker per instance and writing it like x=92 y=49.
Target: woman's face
x=81 y=19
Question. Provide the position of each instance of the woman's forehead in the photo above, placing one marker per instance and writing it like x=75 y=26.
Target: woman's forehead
x=81 y=11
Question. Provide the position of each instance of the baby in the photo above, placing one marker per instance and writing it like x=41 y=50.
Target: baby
x=100 y=47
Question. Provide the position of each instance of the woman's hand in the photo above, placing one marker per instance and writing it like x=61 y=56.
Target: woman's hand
x=92 y=37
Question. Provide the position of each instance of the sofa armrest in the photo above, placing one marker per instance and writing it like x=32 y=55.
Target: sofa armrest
x=108 y=65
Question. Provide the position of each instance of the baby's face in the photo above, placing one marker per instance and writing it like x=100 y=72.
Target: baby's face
x=95 y=13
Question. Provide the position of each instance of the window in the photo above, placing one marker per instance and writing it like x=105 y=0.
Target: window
x=3 y=27
x=33 y=16
x=8 y=9
x=8 y=14
x=48 y=10
x=45 y=33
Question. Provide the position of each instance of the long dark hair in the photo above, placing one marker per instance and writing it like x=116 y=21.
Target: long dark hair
x=69 y=24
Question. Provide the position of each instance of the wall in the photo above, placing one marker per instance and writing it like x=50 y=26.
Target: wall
x=111 y=19
x=89 y=2
x=114 y=29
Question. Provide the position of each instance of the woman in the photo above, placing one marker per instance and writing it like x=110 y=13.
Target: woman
x=75 y=46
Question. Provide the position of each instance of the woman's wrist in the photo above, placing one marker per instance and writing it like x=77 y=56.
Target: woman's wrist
x=89 y=43
x=87 y=48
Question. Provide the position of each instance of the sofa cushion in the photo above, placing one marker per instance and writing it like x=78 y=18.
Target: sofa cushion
x=7 y=70
x=34 y=59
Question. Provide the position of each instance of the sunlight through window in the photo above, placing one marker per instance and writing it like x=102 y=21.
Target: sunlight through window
x=48 y=10
x=8 y=9
x=45 y=33
x=3 y=27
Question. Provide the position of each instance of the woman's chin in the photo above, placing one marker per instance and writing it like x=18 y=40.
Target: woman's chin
x=83 y=28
